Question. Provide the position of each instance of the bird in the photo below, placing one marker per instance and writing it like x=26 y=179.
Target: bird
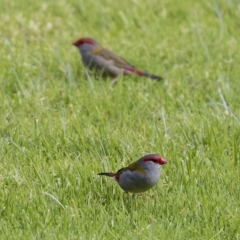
x=139 y=176
x=106 y=63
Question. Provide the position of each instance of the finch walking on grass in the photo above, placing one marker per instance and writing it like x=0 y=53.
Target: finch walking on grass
x=139 y=176
x=105 y=62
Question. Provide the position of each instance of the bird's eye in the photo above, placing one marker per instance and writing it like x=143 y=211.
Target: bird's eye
x=155 y=161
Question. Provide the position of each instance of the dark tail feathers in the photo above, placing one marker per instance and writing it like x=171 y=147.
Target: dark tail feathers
x=107 y=174
x=141 y=73
x=154 y=77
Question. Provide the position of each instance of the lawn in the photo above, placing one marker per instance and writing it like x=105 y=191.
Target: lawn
x=60 y=127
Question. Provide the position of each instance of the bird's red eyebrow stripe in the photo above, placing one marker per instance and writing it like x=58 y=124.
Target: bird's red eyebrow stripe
x=151 y=158
x=160 y=160
x=83 y=40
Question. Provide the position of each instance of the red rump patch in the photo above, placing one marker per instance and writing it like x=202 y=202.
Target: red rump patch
x=116 y=178
x=132 y=70
x=112 y=175
x=82 y=41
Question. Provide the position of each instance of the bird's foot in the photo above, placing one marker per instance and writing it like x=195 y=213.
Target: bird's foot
x=147 y=196
x=114 y=81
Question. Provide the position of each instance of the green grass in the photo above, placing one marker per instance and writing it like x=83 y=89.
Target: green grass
x=59 y=129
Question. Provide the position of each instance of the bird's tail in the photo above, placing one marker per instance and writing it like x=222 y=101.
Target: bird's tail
x=141 y=73
x=154 y=77
x=108 y=174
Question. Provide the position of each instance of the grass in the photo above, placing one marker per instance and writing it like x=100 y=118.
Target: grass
x=59 y=128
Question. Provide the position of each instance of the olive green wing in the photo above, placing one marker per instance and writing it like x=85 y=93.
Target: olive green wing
x=109 y=55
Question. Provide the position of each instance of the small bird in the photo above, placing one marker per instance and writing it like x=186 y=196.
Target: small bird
x=105 y=62
x=139 y=176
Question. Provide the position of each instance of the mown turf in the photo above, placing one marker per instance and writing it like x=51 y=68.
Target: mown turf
x=60 y=128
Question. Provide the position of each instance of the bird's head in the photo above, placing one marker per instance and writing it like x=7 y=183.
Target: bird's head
x=152 y=161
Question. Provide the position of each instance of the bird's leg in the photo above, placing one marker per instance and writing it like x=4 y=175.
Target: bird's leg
x=143 y=194
x=114 y=81
x=128 y=195
x=153 y=196
x=116 y=78
x=146 y=196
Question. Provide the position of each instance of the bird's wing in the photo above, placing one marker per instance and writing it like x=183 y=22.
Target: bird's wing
x=109 y=55
x=132 y=167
